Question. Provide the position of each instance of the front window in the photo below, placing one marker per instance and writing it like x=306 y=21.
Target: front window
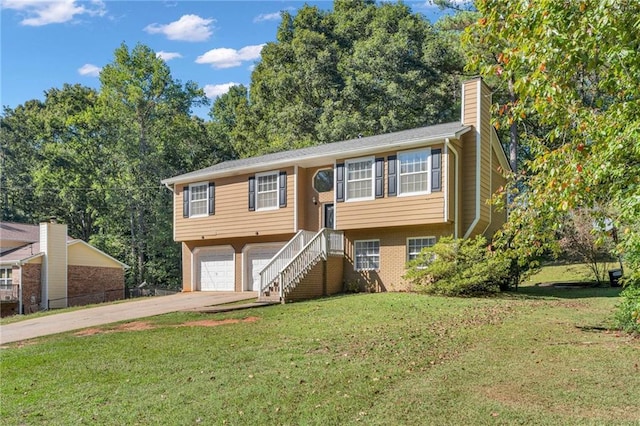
x=6 y=278
x=198 y=199
x=367 y=254
x=360 y=179
x=267 y=192
x=414 y=172
x=415 y=246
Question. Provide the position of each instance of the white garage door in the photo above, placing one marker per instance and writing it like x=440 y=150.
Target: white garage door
x=257 y=259
x=217 y=270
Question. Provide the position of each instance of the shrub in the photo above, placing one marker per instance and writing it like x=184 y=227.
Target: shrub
x=458 y=267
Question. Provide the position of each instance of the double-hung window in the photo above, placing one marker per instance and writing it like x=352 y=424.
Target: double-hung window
x=359 y=179
x=414 y=171
x=267 y=191
x=6 y=278
x=415 y=246
x=367 y=255
x=198 y=199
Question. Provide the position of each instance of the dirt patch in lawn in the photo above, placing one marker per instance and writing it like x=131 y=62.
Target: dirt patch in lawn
x=214 y=323
x=141 y=326
x=129 y=326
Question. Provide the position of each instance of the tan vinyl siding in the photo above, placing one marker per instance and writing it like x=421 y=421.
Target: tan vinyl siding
x=498 y=217
x=312 y=220
x=399 y=210
x=81 y=255
x=232 y=216
x=468 y=183
x=486 y=160
x=470 y=103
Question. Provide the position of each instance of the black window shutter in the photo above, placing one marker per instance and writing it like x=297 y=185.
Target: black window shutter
x=185 y=201
x=436 y=169
x=282 y=187
x=340 y=182
x=392 y=180
x=379 y=177
x=252 y=193
x=212 y=198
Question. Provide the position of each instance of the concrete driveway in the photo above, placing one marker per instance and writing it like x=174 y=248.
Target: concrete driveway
x=136 y=308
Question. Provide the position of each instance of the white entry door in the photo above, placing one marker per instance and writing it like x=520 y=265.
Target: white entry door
x=217 y=270
x=257 y=259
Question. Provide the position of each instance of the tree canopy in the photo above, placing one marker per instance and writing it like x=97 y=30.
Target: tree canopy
x=575 y=68
x=360 y=69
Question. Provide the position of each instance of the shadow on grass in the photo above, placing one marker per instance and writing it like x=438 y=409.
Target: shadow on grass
x=563 y=291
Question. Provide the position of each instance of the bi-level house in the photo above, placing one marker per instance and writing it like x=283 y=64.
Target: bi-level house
x=306 y=222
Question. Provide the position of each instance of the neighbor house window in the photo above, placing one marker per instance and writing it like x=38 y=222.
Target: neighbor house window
x=414 y=172
x=367 y=255
x=360 y=179
x=415 y=246
x=267 y=191
x=198 y=199
x=5 y=278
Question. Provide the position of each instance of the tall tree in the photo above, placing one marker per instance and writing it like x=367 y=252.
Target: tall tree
x=575 y=69
x=360 y=69
x=140 y=102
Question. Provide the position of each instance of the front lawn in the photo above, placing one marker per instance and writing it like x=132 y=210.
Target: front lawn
x=526 y=358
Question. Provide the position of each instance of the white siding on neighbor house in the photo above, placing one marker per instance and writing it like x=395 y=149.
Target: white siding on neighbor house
x=80 y=254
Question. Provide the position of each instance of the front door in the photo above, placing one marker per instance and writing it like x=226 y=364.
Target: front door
x=328 y=219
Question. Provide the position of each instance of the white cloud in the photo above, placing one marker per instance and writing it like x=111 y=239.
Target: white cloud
x=267 y=17
x=212 y=91
x=39 y=13
x=167 y=56
x=229 y=58
x=89 y=70
x=187 y=28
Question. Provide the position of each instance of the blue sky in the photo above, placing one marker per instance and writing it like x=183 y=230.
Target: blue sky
x=45 y=44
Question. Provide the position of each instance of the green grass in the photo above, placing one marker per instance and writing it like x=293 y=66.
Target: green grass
x=567 y=273
x=541 y=356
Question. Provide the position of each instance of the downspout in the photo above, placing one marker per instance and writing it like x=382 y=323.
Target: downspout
x=478 y=156
x=456 y=192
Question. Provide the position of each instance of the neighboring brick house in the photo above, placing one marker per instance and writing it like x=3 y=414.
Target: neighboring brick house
x=41 y=267
x=308 y=222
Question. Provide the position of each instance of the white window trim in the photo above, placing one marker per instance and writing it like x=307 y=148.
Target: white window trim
x=263 y=174
x=4 y=278
x=346 y=178
x=355 y=255
x=191 y=186
x=435 y=240
x=399 y=175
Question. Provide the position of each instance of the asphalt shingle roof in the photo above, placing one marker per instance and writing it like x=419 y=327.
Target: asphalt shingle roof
x=335 y=149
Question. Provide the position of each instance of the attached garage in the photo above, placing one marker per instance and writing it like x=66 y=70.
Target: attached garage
x=215 y=269
x=256 y=257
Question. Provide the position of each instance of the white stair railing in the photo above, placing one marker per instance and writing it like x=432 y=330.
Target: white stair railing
x=325 y=242
x=271 y=270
